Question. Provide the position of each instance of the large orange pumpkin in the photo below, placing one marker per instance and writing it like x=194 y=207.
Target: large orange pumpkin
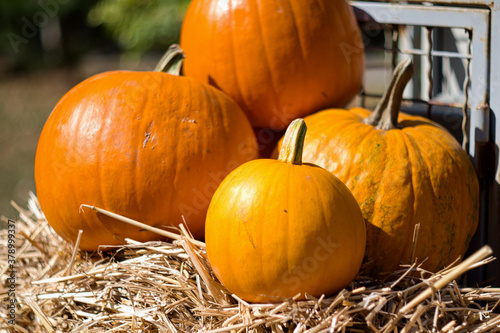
x=403 y=170
x=147 y=145
x=276 y=228
x=279 y=60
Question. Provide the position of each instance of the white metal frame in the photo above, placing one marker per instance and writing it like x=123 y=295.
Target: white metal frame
x=482 y=19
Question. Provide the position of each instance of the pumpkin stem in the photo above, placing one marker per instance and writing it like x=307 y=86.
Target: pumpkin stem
x=385 y=115
x=293 y=143
x=172 y=60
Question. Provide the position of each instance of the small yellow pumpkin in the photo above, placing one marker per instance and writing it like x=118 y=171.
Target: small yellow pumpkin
x=276 y=228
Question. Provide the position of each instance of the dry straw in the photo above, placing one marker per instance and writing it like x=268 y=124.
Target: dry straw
x=170 y=287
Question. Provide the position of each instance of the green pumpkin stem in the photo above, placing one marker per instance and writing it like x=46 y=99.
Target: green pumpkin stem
x=172 y=60
x=385 y=115
x=293 y=143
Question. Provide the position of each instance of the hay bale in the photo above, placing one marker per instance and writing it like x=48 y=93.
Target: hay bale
x=170 y=287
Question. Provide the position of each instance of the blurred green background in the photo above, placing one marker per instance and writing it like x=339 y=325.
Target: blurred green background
x=48 y=46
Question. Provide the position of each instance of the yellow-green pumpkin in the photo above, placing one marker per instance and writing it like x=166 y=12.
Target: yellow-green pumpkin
x=403 y=170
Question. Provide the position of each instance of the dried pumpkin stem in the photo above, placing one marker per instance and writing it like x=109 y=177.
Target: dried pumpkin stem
x=293 y=143
x=385 y=115
x=172 y=60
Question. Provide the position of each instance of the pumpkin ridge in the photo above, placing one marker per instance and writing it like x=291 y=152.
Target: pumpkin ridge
x=208 y=54
x=451 y=236
x=320 y=127
x=273 y=173
x=450 y=227
x=301 y=41
x=249 y=224
x=366 y=138
x=260 y=231
x=241 y=97
x=314 y=185
x=438 y=140
x=320 y=6
x=369 y=132
x=111 y=115
x=99 y=165
x=452 y=159
x=323 y=204
x=106 y=114
x=373 y=208
x=339 y=188
x=210 y=120
x=406 y=141
x=426 y=158
x=228 y=183
x=139 y=149
x=289 y=245
x=231 y=240
x=67 y=231
x=71 y=184
x=381 y=175
x=265 y=48
x=98 y=161
x=179 y=94
x=184 y=94
x=347 y=126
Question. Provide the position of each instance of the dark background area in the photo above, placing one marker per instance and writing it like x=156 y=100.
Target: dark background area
x=47 y=47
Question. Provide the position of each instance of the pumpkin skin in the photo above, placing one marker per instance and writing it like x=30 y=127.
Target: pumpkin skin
x=279 y=60
x=415 y=173
x=276 y=228
x=146 y=145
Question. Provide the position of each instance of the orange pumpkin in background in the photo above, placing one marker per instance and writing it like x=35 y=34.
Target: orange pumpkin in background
x=404 y=171
x=276 y=228
x=279 y=60
x=150 y=146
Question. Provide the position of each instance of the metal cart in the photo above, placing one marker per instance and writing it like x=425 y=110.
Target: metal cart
x=455 y=45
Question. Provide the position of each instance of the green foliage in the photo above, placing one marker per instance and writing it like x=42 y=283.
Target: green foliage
x=140 y=25
x=40 y=33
